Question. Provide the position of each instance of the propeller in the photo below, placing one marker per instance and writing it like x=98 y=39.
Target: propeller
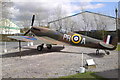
x=33 y=19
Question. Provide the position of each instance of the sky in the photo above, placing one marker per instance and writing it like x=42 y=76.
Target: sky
x=119 y=9
x=24 y=9
x=107 y=9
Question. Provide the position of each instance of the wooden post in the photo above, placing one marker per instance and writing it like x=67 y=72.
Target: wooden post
x=20 y=48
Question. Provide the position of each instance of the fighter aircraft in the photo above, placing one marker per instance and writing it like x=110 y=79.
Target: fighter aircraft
x=53 y=37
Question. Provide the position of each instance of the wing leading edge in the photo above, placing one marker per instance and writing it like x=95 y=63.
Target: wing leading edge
x=23 y=38
x=43 y=39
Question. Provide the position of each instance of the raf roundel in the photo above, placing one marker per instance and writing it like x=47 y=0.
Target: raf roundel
x=76 y=38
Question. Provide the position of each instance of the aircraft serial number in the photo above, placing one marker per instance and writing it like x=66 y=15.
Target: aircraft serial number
x=76 y=38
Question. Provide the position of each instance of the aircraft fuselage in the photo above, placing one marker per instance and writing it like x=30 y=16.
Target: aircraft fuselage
x=68 y=37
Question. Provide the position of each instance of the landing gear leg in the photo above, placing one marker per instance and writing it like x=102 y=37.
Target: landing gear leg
x=107 y=52
x=97 y=51
x=40 y=47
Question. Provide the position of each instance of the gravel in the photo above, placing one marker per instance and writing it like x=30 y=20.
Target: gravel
x=54 y=63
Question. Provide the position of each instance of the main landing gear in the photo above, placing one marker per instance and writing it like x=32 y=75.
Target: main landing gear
x=97 y=52
x=107 y=52
x=40 y=47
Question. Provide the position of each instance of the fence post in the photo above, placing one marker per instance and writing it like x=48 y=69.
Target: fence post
x=28 y=44
x=5 y=47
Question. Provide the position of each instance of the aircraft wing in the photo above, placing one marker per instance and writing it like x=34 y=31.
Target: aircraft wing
x=23 y=38
x=48 y=40
x=40 y=40
x=109 y=46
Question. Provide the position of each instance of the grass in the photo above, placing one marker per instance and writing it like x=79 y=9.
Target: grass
x=118 y=47
x=81 y=76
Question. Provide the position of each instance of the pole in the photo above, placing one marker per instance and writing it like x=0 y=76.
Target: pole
x=5 y=47
x=31 y=43
x=82 y=69
x=116 y=11
x=28 y=43
x=82 y=59
x=20 y=48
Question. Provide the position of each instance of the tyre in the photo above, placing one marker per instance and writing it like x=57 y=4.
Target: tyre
x=108 y=53
x=39 y=48
x=49 y=46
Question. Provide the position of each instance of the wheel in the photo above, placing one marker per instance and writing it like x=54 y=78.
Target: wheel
x=49 y=46
x=107 y=53
x=97 y=52
x=40 y=47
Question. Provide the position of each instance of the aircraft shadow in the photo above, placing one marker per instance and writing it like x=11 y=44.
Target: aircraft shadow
x=100 y=55
x=89 y=54
x=70 y=52
x=31 y=52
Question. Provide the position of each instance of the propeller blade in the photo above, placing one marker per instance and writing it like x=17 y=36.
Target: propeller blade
x=33 y=18
x=27 y=32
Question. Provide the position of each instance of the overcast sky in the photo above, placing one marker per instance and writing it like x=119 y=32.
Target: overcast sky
x=24 y=9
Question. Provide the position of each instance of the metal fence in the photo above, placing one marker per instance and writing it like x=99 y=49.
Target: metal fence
x=8 y=46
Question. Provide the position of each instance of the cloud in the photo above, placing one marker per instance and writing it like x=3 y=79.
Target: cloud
x=64 y=1
x=49 y=5
x=24 y=9
x=90 y=6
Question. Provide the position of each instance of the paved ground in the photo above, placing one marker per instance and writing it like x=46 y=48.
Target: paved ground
x=55 y=63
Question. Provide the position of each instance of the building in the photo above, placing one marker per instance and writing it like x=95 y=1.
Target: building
x=8 y=27
x=85 y=21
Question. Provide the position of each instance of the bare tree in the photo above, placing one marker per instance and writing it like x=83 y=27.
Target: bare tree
x=101 y=24
x=6 y=13
x=6 y=10
x=0 y=10
x=26 y=22
x=69 y=24
x=42 y=17
x=59 y=13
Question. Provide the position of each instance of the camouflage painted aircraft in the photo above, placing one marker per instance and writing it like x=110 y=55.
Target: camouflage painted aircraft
x=52 y=37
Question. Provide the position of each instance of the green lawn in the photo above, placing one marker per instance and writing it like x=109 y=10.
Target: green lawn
x=118 y=47
x=81 y=76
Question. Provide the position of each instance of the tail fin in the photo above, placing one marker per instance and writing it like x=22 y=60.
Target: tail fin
x=111 y=39
x=108 y=39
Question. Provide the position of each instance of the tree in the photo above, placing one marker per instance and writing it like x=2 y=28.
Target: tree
x=101 y=24
x=0 y=10
x=41 y=17
x=6 y=10
x=69 y=24
x=58 y=14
